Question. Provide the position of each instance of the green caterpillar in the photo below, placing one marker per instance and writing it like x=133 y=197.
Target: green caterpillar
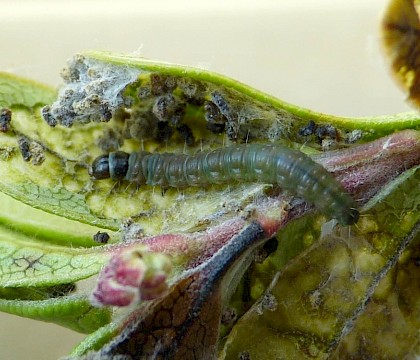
x=273 y=164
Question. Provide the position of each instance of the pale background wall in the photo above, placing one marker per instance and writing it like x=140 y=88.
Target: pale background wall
x=321 y=54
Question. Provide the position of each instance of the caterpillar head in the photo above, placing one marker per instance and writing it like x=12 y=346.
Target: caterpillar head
x=113 y=165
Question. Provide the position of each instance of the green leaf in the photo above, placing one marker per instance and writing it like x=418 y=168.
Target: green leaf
x=46 y=227
x=17 y=91
x=96 y=340
x=74 y=312
x=321 y=302
x=294 y=116
x=25 y=262
x=50 y=185
x=51 y=208
x=62 y=186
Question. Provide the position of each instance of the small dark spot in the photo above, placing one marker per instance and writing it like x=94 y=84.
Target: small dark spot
x=244 y=355
x=161 y=84
x=221 y=103
x=260 y=256
x=229 y=316
x=170 y=83
x=271 y=245
x=186 y=133
x=23 y=144
x=5 y=119
x=216 y=128
x=216 y=121
x=321 y=132
x=101 y=237
x=326 y=132
x=46 y=114
x=246 y=293
x=307 y=130
x=192 y=91
x=164 y=131
x=178 y=114
x=169 y=108
x=416 y=261
x=164 y=107
x=31 y=150
x=232 y=130
x=212 y=113
x=232 y=125
x=105 y=112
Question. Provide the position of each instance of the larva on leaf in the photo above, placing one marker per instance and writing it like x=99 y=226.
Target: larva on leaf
x=292 y=170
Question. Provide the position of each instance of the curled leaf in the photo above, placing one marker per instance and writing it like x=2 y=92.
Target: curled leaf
x=160 y=107
x=113 y=102
x=74 y=312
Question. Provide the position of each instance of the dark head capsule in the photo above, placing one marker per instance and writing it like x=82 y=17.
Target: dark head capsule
x=100 y=168
x=114 y=166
